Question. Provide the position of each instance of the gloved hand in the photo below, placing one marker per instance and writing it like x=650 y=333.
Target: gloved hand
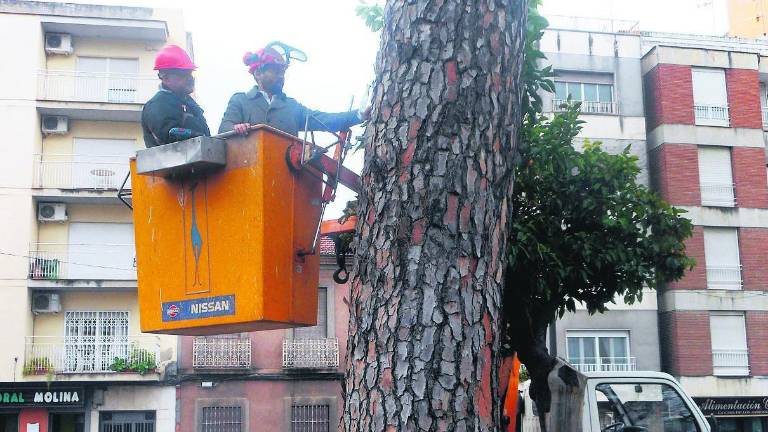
x=180 y=133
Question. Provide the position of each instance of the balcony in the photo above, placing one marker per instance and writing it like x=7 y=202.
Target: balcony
x=75 y=86
x=62 y=261
x=587 y=107
x=46 y=355
x=221 y=353
x=718 y=194
x=765 y=118
x=79 y=172
x=730 y=362
x=606 y=364
x=311 y=353
x=711 y=115
x=724 y=277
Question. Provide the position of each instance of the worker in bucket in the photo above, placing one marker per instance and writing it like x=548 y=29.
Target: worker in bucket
x=266 y=103
x=172 y=115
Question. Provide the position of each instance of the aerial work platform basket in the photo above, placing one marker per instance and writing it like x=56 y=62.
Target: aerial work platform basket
x=225 y=232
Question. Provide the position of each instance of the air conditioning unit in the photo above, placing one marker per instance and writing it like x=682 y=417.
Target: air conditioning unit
x=55 y=124
x=46 y=303
x=58 y=43
x=51 y=212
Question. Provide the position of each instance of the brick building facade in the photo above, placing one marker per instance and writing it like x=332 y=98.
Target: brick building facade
x=708 y=156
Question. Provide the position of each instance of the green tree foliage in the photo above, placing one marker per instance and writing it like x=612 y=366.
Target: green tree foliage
x=373 y=14
x=584 y=230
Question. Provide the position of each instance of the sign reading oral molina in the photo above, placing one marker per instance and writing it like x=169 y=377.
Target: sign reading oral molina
x=205 y=307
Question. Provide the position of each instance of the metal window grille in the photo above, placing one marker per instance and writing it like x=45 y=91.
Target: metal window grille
x=310 y=418
x=222 y=419
x=127 y=421
x=221 y=352
x=92 y=340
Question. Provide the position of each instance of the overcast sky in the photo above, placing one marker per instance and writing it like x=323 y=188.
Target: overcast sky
x=342 y=50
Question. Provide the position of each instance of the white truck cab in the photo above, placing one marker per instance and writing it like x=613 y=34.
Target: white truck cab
x=629 y=402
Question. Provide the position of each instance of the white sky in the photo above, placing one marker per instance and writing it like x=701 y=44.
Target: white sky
x=342 y=50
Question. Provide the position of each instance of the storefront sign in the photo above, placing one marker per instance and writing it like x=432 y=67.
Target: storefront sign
x=41 y=397
x=733 y=406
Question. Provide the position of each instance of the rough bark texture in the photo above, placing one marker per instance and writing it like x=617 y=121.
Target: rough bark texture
x=423 y=352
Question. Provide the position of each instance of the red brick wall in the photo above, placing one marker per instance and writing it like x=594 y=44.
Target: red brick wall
x=686 y=346
x=749 y=175
x=696 y=278
x=675 y=173
x=744 y=98
x=757 y=335
x=753 y=252
x=669 y=95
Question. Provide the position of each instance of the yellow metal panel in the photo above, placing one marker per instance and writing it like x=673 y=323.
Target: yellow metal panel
x=221 y=253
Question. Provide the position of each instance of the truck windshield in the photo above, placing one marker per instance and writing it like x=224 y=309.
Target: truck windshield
x=642 y=407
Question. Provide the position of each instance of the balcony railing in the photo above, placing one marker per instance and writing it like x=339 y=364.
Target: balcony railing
x=91 y=354
x=221 y=353
x=606 y=364
x=75 y=86
x=730 y=362
x=311 y=353
x=724 y=277
x=718 y=194
x=56 y=261
x=590 y=107
x=711 y=115
x=80 y=172
x=765 y=118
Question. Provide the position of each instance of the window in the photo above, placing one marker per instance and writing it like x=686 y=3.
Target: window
x=721 y=252
x=710 y=98
x=716 y=177
x=126 y=421
x=594 y=97
x=652 y=407
x=730 y=356
x=101 y=251
x=92 y=340
x=102 y=79
x=99 y=163
x=311 y=347
x=319 y=331
x=310 y=418
x=764 y=105
x=591 y=351
x=222 y=419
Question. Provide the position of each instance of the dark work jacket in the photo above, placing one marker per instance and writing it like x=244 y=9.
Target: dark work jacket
x=283 y=113
x=166 y=111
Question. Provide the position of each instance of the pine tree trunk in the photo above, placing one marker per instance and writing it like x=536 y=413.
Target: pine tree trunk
x=423 y=350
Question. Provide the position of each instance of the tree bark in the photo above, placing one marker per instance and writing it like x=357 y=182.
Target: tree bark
x=433 y=219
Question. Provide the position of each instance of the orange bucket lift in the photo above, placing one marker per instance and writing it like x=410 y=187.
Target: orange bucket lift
x=226 y=231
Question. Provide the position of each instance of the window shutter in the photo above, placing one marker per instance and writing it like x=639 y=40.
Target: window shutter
x=319 y=331
x=728 y=332
x=715 y=165
x=709 y=87
x=721 y=247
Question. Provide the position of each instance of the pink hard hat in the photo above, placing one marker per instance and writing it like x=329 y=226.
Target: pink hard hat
x=263 y=57
x=173 y=57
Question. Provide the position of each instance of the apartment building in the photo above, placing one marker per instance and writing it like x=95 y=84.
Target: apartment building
x=281 y=380
x=598 y=63
x=705 y=99
x=747 y=18
x=74 y=78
